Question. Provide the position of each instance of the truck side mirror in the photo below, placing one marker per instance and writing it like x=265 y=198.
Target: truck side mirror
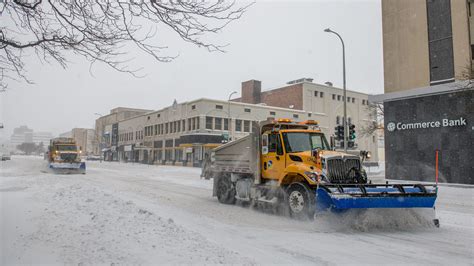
x=264 y=143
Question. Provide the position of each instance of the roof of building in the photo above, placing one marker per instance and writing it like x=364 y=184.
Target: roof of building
x=423 y=91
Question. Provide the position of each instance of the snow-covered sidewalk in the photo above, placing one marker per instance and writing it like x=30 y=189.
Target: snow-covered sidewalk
x=140 y=214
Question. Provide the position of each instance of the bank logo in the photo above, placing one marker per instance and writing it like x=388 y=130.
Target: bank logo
x=391 y=126
x=449 y=123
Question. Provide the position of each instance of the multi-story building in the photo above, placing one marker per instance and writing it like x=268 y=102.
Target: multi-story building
x=182 y=133
x=429 y=97
x=426 y=42
x=42 y=137
x=84 y=138
x=103 y=129
x=23 y=134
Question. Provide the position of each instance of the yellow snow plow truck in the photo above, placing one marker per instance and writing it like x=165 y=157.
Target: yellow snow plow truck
x=64 y=157
x=289 y=164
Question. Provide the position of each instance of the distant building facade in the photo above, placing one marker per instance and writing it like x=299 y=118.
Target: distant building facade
x=23 y=134
x=103 y=127
x=182 y=133
x=84 y=138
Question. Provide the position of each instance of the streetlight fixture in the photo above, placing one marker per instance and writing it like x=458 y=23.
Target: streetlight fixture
x=228 y=113
x=343 y=86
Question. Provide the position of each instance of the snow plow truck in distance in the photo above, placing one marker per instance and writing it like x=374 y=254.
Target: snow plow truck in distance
x=283 y=163
x=64 y=157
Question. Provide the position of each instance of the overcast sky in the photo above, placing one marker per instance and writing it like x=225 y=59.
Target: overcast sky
x=275 y=42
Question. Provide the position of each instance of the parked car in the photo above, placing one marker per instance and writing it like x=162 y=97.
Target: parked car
x=94 y=158
x=5 y=157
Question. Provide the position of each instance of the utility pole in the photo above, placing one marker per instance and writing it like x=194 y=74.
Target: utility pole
x=229 y=118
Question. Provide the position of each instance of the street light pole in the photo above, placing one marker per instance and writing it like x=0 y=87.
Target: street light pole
x=228 y=113
x=346 y=131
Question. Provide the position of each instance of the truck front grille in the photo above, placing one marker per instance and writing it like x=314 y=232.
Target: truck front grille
x=68 y=157
x=338 y=170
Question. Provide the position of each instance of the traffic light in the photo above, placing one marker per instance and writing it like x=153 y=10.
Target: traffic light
x=339 y=132
x=352 y=132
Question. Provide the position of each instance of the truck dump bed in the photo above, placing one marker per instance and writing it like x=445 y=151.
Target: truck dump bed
x=237 y=156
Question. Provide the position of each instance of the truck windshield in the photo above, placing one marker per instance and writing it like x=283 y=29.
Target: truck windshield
x=66 y=148
x=302 y=141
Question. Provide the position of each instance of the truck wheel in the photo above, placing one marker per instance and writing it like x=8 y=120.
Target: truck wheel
x=225 y=191
x=300 y=201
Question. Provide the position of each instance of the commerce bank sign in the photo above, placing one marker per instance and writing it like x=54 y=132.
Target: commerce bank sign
x=460 y=122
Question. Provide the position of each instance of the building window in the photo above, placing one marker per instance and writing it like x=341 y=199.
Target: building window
x=197 y=123
x=218 y=123
x=166 y=128
x=179 y=126
x=184 y=125
x=334 y=96
x=315 y=93
x=226 y=124
x=295 y=116
x=338 y=120
x=363 y=102
x=246 y=126
x=158 y=115
x=148 y=118
x=189 y=124
x=338 y=97
x=238 y=125
x=309 y=114
x=247 y=110
x=321 y=94
x=353 y=100
x=156 y=129
x=440 y=41
x=208 y=122
x=193 y=107
x=272 y=113
x=348 y=99
x=220 y=107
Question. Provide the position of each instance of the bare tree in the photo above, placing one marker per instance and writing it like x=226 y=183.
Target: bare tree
x=466 y=78
x=103 y=30
x=375 y=119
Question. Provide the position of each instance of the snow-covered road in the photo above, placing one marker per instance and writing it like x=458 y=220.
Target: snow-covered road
x=140 y=214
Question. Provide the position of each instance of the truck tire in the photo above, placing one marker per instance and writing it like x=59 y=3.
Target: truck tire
x=300 y=201
x=225 y=190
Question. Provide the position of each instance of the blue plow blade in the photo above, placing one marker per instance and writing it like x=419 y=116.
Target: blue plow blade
x=68 y=167
x=339 y=198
